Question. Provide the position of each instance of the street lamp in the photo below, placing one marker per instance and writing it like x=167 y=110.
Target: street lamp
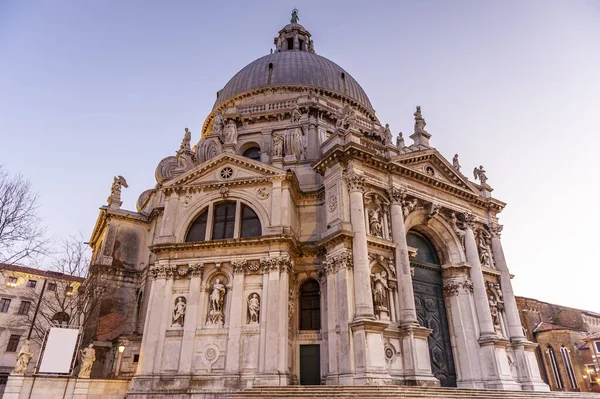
x=121 y=349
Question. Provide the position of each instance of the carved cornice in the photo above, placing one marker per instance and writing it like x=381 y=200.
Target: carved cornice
x=277 y=263
x=230 y=243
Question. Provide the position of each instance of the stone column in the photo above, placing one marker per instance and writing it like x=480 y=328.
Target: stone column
x=165 y=319
x=343 y=294
x=525 y=359
x=360 y=254
x=408 y=313
x=312 y=141
x=484 y=317
x=332 y=322
x=152 y=325
x=238 y=302
x=271 y=267
x=284 y=287
x=186 y=357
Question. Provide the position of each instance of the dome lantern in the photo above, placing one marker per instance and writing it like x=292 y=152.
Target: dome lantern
x=294 y=36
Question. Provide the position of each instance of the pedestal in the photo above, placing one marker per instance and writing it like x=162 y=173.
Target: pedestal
x=14 y=384
x=82 y=387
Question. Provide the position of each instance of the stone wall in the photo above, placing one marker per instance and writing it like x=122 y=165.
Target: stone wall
x=64 y=388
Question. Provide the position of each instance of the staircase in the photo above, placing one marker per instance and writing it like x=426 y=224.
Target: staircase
x=385 y=392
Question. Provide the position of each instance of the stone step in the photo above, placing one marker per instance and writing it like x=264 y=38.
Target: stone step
x=366 y=392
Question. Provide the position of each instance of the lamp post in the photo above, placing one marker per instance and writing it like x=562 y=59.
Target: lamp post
x=121 y=349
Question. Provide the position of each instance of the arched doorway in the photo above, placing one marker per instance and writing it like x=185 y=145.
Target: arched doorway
x=431 y=310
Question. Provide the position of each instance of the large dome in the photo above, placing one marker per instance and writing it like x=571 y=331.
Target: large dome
x=294 y=68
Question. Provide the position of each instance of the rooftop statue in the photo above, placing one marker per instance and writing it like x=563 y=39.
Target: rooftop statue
x=295 y=18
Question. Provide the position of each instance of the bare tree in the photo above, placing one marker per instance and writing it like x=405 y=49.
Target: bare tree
x=22 y=236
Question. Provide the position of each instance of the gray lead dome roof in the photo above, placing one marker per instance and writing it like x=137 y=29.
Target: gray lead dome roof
x=297 y=68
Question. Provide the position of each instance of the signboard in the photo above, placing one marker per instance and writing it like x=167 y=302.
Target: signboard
x=58 y=351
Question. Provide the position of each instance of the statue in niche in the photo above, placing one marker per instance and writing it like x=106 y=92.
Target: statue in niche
x=253 y=309
x=459 y=232
x=483 y=248
x=375 y=222
x=379 y=286
x=494 y=312
x=179 y=312
x=217 y=300
x=230 y=132
x=296 y=114
x=218 y=123
x=294 y=144
x=479 y=173
x=277 y=145
x=455 y=162
x=23 y=358
x=88 y=357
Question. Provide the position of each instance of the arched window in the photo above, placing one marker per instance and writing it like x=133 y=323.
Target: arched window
x=554 y=367
x=566 y=356
x=61 y=319
x=197 y=231
x=310 y=306
x=425 y=251
x=252 y=153
x=250 y=223
x=224 y=220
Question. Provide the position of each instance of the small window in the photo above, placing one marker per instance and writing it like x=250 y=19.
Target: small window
x=554 y=366
x=302 y=45
x=24 y=308
x=69 y=290
x=224 y=221
x=31 y=283
x=198 y=230
x=51 y=287
x=270 y=75
x=13 y=343
x=4 y=305
x=11 y=282
x=250 y=223
x=290 y=44
x=252 y=153
x=597 y=343
x=136 y=358
x=569 y=367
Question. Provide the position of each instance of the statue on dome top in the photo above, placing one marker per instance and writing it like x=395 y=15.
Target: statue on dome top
x=295 y=17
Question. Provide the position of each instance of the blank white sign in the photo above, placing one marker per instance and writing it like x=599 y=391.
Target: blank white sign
x=58 y=354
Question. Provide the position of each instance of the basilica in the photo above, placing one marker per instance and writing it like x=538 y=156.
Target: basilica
x=298 y=243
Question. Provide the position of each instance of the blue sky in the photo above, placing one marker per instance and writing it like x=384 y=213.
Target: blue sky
x=91 y=89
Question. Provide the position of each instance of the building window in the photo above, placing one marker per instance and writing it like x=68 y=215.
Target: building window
x=51 y=287
x=13 y=343
x=554 y=366
x=61 y=319
x=4 y=305
x=230 y=220
x=136 y=358
x=24 y=308
x=310 y=306
x=252 y=153
x=69 y=290
x=11 y=282
x=250 y=223
x=224 y=221
x=31 y=283
x=597 y=343
x=566 y=356
x=198 y=230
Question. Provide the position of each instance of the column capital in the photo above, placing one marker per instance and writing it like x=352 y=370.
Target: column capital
x=469 y=220
x=495 y=229
x=355 y=182
x=196 y=269
x=397 y=195
x=238 y=266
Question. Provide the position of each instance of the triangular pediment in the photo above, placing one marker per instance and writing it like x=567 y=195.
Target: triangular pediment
x=432 y=164
x=225 y=168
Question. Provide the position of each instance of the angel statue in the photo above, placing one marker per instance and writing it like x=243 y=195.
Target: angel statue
x=479 y=173
x=114 y=200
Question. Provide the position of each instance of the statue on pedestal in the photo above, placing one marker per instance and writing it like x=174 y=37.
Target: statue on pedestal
x=179 y=312
x=88 y=357
x=253 y=309
x=379 y=286
x=114 y=200
x=23 y=358
x=217 y=300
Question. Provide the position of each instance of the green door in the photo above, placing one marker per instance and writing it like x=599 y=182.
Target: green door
x=310 y=365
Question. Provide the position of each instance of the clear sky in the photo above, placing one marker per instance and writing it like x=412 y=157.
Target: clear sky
x=93 y=89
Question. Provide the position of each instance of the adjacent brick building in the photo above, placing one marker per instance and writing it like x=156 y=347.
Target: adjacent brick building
x=569 y=344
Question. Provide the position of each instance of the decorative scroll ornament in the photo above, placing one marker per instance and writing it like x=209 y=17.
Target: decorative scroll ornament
x=207 y=149
x=332 y=203
x=224 y=191
x=263 y=193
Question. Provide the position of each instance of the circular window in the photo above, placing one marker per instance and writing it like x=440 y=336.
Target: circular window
x=226 y=173
x=429 y=170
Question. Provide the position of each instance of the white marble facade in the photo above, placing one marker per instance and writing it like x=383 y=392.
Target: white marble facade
x=286 y=226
